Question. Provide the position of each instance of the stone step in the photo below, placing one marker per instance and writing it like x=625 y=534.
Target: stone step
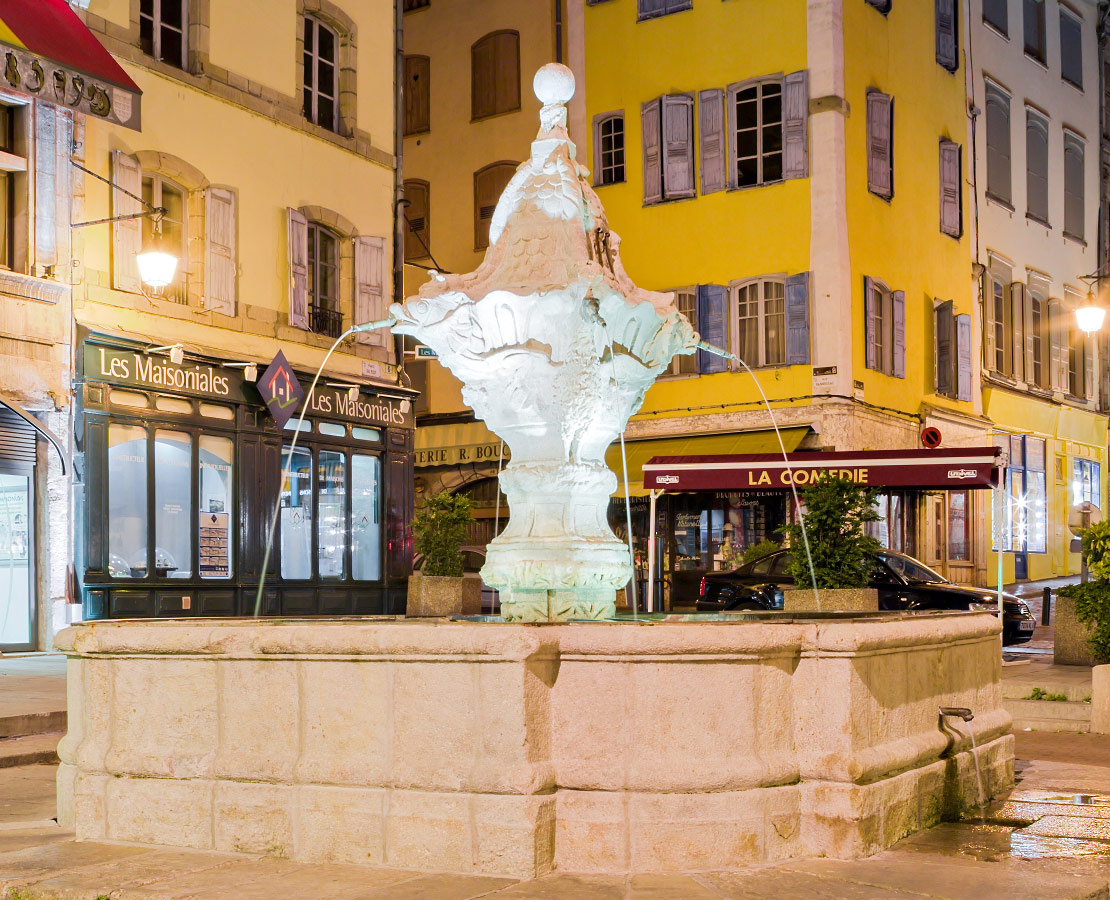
x=26 y=724
x=1020 y=688
x=1049 y=715
x=29 y=750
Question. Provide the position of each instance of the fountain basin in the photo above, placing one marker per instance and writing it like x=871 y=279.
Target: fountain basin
x=515 y=749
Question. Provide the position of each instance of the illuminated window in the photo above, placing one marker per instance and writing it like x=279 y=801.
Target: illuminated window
x=1085 y=482
x=163 y=25
x=321 y=74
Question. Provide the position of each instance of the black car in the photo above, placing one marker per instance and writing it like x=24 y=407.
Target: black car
x=902 y=583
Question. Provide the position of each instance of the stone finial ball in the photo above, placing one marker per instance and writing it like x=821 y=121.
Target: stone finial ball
x=554 y=83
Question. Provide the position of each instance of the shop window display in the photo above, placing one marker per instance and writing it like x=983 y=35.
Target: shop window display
x=296 y=515
x=173 y=482
x=331 y=478
x=366 y=529
x=127 y=506
x=217 y=466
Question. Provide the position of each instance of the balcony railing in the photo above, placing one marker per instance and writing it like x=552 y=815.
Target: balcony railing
x=324 y=320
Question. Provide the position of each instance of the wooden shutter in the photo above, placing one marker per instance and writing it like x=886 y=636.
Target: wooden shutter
x=417 y=94
x=678 y=146
x=1089 y=366
x=711 y=116
x=1058 y=329
x=951 y=196
x=506 y=71
x=880 y=110
x=127 y=236
x=219 y=259
x=797 y=320
x=871 y=314
x=653 y=169
x=483 y=99
x=946 y=34
x=416 y=224
x=1017 y=320
x=943 y=351
x=898 y=310
x=998 y=143
x=297 y=236
x=713 y=326
x=370 y=287
x=795 y=125
x=53 y=146
x=1027 y=328
x=963 y=358
x=988 y=320
x=489 y=184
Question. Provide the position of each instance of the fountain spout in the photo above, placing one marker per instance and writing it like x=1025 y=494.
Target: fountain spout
x=956 y=712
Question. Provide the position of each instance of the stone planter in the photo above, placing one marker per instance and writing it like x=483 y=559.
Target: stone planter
x=441 y=595
x=1070 y=636
x=832 y=600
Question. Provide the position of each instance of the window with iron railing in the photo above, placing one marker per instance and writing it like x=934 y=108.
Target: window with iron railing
x=323 y=281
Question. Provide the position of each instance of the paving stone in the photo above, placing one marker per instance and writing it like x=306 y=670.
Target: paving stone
x=1081 y=827
x=27 y=794
x=774 y=883
x=33 y=863
x=668 y=887
x=132 y=871
x=32 y=835
x=440 y=887
x=565 y=887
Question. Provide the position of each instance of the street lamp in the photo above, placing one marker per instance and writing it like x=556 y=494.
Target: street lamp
x=156 y=264
x=1090 y=315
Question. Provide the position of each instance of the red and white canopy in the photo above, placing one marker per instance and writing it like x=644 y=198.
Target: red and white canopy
x=953 y=468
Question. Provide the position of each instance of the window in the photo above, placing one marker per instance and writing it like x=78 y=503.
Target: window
x=882 y=6
x=947 y=28
x=296 y=514
x=321 y=74
x=410 y=5
x=1035 y=40
x=998 y=143
x=951 y=189
x=127 y=506
x=1036 y=533
x=1077 y=361
x=495 y=74
x=952 y=352
x=417 y=94
x=959 y=538
x=651 y=9
x=331 y=480
x=1073 y=186
x=163 y=25
x=1038 y=339
x=217 y=465
x=366 y=528
x=323 y=281
x=1071 y=48
x=757 y=143
x=417 y=240
x=609 y=149
x=1086 y=484
x=759 y=322
x=173 y=490
x=160 y=191
x=885 y=327
x=489 y=185
x=668 y=145
x=1036 y=160
x=996 y=14
x=1000 y=324
x=880 y=144
x=9 y=178
x=686 y=301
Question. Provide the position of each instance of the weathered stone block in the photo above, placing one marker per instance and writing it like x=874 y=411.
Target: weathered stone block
x=253 y=818
x=436 y=595
x=340 y=824
x=1100 y=699
x=167 y=811
x=258 y=720
x=1070 y=645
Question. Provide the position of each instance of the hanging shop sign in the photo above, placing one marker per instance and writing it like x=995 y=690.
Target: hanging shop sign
x=365 y=409
x=281 y=390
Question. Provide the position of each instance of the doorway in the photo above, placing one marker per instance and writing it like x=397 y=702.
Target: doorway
x=17 y=576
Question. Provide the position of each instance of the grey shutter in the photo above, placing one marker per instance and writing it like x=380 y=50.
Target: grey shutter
x=946 y=34
x=951 y=195
x=1057 y=327
x=1036 y=166
x=53 y=189
x=1017 y=320
x=298 y=269
x=127 y=236
x=711 y=117
x=879 y=133
x=871 y=314
x=795 y=125
x=713 y=326
x=797 y=320
x=653 y=161
x=649 y=8
x=1089 y=366
x=1073 y=187
x=678 y=146
x=219 y=261
x=898 y=308
x=963 y=358
x=370 y=287
x=998 y=144
x=943 y=349
x=1071 y=48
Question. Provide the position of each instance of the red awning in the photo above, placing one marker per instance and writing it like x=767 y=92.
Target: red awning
x=948 y=468
x=50 y=54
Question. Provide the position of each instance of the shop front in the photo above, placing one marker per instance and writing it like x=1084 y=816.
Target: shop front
x=702 y=512
x=180 y=474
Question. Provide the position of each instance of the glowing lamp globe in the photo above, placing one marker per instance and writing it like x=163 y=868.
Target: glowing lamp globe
x=1090 y=317
x=156 y=265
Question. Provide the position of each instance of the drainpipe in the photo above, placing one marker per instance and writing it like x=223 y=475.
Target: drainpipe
x=398 y=182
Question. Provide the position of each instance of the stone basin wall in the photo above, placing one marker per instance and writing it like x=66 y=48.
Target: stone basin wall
x=516 y=749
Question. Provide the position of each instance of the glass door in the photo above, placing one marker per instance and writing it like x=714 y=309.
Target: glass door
x=17 y=598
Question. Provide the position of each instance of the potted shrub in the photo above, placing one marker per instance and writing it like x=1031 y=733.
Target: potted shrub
x=1082 y=633
x=440 y=530
x=837 y=511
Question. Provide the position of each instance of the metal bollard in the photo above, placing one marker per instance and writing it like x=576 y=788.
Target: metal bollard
x=1046 y=607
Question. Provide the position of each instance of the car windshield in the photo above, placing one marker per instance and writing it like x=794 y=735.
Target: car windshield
x=910 y=569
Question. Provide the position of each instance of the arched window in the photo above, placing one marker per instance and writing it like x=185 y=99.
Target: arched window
x=489 y=184
x=323 y=280
x=495 y=74
x=321 y=74
x=609 y=148
x=417 y=241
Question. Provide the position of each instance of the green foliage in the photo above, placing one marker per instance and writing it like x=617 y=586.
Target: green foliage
x=440 y=529
x=758 y=551
x=1041 y=694
x=1092 y=608
x=1096 y=548
x=837 y=510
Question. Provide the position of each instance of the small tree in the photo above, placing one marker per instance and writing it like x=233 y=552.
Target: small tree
x=1092 y=600
x=837 y=510
x=758 y=551
x=440 y=529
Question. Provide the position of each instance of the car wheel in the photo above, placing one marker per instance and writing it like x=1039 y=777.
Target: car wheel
x=745 y=606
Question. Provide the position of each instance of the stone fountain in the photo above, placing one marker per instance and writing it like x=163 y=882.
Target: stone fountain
x=667 y=744
x=555 y=347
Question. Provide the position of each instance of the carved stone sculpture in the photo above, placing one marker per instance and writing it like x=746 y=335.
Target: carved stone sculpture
x=555 y=347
